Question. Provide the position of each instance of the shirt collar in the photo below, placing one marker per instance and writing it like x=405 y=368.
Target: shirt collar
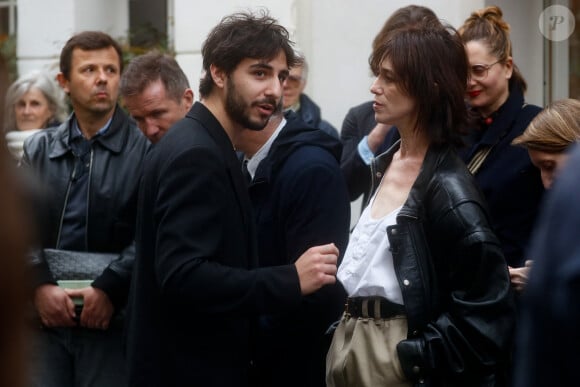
x=264 y=149
x=77 y=131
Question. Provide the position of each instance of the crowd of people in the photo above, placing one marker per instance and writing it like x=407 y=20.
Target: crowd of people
x=166 y=240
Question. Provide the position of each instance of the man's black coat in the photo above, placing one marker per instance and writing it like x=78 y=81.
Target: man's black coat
x=193 y=295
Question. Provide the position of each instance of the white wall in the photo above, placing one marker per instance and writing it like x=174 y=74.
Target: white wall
x=527 y=43
x=44 y=26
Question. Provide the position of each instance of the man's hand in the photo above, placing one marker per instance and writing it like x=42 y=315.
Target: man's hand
x=97 y=308
x=317 y=267
x=54 y=306
x=519 y=276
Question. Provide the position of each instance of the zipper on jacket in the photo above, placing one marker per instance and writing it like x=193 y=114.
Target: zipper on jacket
x=88 y=200
x=72 y=178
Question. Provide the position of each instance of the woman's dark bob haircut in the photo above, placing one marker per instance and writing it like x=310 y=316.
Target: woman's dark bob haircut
x=431 y=66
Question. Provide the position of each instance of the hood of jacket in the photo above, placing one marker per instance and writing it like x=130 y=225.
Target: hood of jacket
x=309 y=111
x=295 y=134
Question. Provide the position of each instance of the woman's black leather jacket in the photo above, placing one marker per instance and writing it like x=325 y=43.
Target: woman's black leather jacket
x=452 y=274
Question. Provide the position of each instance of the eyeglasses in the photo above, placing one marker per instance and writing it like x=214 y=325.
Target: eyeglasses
x=480 y=71
x=293 y=80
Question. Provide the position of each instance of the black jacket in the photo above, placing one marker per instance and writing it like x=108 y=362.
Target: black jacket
x=194 y=295
x=511 y=184
x=300 y=200
x=115 y=170
x=452 y=274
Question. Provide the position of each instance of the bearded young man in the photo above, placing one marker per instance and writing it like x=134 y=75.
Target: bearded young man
x=196 y=288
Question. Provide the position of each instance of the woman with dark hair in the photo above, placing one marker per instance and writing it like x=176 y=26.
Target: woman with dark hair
x=510 y=183
x=429 y=294
x=361 y=136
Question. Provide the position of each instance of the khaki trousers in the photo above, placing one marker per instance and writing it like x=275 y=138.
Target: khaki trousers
x=363 y=353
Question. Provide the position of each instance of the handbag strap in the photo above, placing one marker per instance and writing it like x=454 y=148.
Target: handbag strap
x=479 y=157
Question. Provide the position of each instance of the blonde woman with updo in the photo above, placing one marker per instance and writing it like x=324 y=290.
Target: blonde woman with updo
x=495 y=93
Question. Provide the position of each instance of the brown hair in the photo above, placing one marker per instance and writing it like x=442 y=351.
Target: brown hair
x=487 y=25
x=430 y=63
x=88 y=41
x=239 y=36
x=554 y=128
x=403 y=17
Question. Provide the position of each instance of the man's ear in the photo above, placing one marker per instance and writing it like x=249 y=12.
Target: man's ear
x=63 y=82
x=218 y=76
x=188 y=98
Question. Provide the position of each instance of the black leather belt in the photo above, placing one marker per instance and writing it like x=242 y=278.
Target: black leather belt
x=372 y=307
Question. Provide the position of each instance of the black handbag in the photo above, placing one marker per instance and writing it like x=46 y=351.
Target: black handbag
x=77 y=265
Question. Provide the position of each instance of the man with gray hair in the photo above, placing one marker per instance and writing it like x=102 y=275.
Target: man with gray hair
x=296 y=100
x=156 y=93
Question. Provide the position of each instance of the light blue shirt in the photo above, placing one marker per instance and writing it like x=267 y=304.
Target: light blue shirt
x=366 y=154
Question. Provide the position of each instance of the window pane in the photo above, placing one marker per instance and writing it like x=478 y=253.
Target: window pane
x=4 y=22
x=148 y=23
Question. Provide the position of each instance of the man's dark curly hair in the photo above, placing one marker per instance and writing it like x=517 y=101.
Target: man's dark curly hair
x=240 y=36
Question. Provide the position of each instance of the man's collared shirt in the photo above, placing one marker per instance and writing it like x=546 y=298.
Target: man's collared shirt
x=261 y=154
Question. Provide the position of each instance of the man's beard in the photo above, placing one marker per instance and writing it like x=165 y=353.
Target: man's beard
x=238 y=109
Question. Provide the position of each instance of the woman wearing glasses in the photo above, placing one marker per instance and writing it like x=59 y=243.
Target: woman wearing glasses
x=510 y=183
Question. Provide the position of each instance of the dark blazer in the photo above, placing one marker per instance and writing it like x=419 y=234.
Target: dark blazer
x=300 y=200
x=548 y=337
x=510 y=182
x=359 y=122
x=194 y=295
